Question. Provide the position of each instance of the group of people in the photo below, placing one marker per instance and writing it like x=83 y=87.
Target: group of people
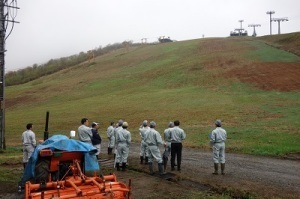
x=119 y=140
x=85 y=134
x=90 y=134
x=150 y=141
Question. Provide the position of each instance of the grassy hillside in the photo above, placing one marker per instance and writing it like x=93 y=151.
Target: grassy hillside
x=195 y=81
x=289 y=42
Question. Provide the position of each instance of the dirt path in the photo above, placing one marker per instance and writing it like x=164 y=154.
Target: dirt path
x=260 y=176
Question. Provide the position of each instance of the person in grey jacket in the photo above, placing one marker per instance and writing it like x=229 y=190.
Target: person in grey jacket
x=153 y=140
x=116 y=130
x=177 y=136
x=217 y=138
x=29 y=143
x=123 y=140
x=85 y=132
x=111 y=138
x=167 y=138
x=144 y=151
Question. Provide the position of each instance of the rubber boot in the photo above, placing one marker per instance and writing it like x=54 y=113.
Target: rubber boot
x=124 y=166
x=160 y=168
x=223 y=168
x=118 y=166
x=142 y=159
x=146 y=160
x=165 y=161
x=216 y=169
x=108 y=151
x=178 y=167
x=151 y=168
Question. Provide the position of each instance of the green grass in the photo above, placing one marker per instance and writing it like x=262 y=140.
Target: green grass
x=265 y=53
x=11 y=168
x=180 y=80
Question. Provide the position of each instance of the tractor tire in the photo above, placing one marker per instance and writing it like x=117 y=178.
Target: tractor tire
x=42 y=170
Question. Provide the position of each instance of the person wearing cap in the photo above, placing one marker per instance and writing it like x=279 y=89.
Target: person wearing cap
x=96 y=139
x=217 y=138
x=123 y=140
x=177 y=136
x=153 y=140
x=167 y=138
x=84 y=131
x=29 y=143
x=116 y=130
x=144 y=152
x=111 y=138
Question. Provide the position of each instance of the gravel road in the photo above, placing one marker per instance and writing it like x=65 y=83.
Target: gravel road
x=263 y=176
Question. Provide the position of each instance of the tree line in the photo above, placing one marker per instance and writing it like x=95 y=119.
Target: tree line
x=53 y=65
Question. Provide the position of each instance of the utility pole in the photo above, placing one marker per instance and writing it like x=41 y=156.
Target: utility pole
x=270 y=13
x=279 y=20
x=5 y=11
x=254 y=25
x=2 y=80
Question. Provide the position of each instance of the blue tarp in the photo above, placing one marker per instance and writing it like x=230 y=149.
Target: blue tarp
x=62 y=142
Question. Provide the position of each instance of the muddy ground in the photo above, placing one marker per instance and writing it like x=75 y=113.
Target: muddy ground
x=279 y=76
x=246 y=176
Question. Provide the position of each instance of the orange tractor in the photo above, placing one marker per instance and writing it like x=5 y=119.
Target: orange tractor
x=53 y=173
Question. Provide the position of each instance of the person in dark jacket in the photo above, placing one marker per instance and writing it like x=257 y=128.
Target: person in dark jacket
x=96 y=138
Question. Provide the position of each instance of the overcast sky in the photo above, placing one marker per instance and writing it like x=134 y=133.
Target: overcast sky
x=50 y=29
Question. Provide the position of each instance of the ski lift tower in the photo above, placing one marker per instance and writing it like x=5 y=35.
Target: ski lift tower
x=280 y=20
x=254 y=25
x=270 y=13
x=241 y=28
x=239 y=31
x=7 y=14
